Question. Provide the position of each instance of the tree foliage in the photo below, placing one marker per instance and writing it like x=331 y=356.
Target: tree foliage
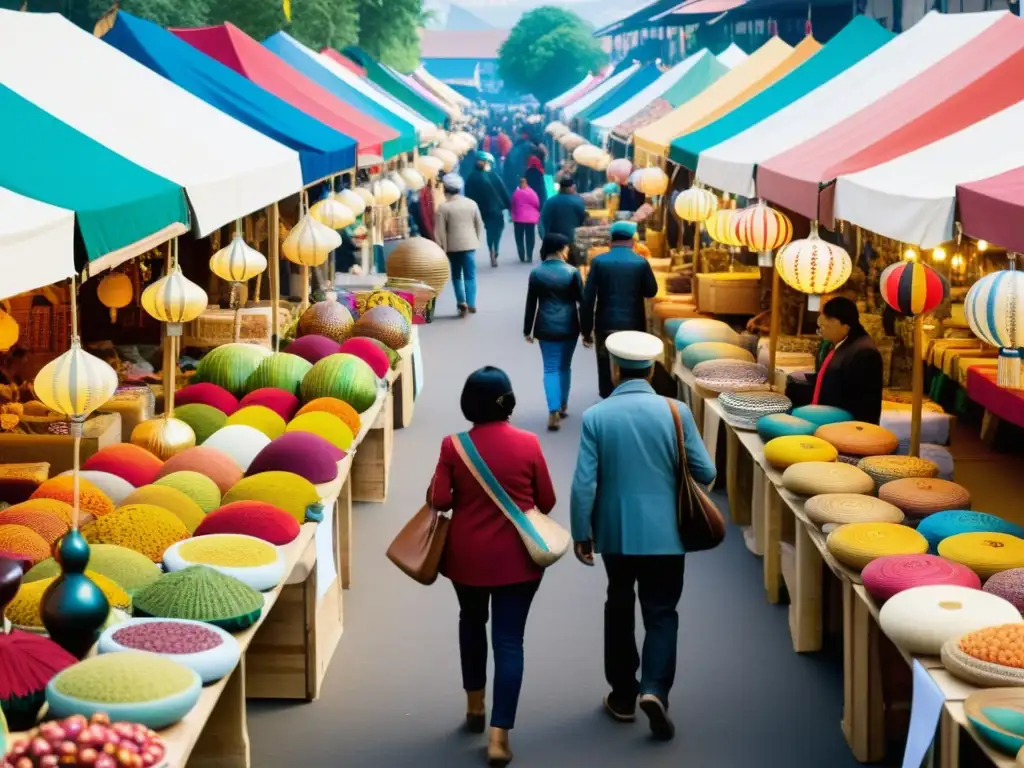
x=389 y=31
x=548 y=51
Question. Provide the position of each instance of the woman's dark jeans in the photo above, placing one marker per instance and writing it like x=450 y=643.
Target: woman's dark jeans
x=526 y=236
x=510 y=605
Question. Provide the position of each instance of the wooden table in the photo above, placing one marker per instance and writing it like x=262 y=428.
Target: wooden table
x=405 y=385
x=371 y=464
x=688 y=390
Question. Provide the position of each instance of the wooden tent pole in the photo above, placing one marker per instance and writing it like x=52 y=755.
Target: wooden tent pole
x=775 y=322
x=274 y=254
x=917 y=401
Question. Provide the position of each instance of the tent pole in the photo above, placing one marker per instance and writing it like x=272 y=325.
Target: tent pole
x=775 y=322
x=917 y=401
x=273 y=252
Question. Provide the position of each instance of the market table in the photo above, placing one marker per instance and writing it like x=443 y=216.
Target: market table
x=371 y=463
x=1000 y=404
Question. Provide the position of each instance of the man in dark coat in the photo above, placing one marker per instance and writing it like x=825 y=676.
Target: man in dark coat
x=514 y=164
x=535 y=176
x=486 y=189
x=562 y=213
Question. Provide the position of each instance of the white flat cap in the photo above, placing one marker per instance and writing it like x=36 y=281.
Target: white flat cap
x=634 y=349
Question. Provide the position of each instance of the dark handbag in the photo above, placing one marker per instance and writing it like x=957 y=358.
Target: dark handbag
x=418 y=548
x=701 y=523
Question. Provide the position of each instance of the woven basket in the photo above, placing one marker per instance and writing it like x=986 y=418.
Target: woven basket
x=419 y=259
x=983 y=674
x=745 y=408
x=811 y=478
x=842 y=508
x=884 y=469
x=920 y=496
x=1006 y=735
x=859 y=438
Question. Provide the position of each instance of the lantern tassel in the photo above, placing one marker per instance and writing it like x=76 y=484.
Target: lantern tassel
x=813 y=302
x=1009 y=369
x=764 y=258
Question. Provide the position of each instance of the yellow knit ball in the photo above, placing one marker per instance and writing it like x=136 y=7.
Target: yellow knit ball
x=174 y=501
x=322 y=424
x=259 y=417
x=782 y=452
x=984 y=553
x=143 y=528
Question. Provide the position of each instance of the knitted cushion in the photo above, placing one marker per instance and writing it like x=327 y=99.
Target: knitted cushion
x=247 y=558
x=731 y=376
x=204 y=419
x=252 y=518
x=701 y=330
x=17 y=541
x=1008 y=584
x=90 y=498
x=988 y=657
x=205 y=393
x=919 y=497
x=745 y=408
x=313 y=348
x=284 y=404
x=920 y=619
x=116 y=488
x=386 y=324
x=344 y=377
x=140 y=527
x=858 y=438
x=265 y=420
x=336 y=407
x=130 y=570
x=890 y=575
x=883 y=469
x=811 y=478
x=201 y=594
x=712 y=350
x=240 y=442
x=129 y=462
x=857 y=544
x=290 y=492
x=819 y=415
x=330 y=428
x=230 y=366
x=783 y=452
x=842 y=508
x=370 y=353
x=671 y=326
x=279 y=371
x=984 y=553
x=49 y=526
x=782 y=424
x=197 y=486
x=49 y=506
x=215 y=464
x=171 y=499
x=938 y=455
x=302 y=453
x=942 y=525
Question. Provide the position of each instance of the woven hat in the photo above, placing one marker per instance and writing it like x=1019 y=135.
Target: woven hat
x=921 y=496
x=859 y=438
x=884 y=469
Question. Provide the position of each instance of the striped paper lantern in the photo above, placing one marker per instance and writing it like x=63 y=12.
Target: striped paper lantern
x=722 y=227
x=310 y=243
x=993 y=306
x=238 y=262
x=652 y=182
x=764 y=229
x=912 y=288
x=813 y=266
x=696 y=204
x=76 y=383
x=175 y=300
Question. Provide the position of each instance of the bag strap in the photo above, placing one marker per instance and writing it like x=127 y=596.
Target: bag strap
x=684 y=470
x=478 y=468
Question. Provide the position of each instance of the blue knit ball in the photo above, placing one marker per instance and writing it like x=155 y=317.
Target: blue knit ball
x=942 y=525
x=672 y=326
x=781 y=424
x=705 y=329
x=820 y=415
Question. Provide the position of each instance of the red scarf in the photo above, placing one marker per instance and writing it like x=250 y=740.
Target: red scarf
x=821 y=373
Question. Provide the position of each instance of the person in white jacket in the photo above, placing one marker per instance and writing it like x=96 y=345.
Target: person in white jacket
x=458 y=229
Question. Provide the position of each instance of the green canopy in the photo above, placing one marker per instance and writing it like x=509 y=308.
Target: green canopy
x=699 y=77
x=383 y=79
x=857 y=40
x=116 y=202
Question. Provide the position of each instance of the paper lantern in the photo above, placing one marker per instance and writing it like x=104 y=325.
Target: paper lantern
x=351 y=200
x=764 y=229
x=695 y=204
x=115 y=292
x=237 y=262
x=366 y=196
x=385 y=192
x=619 y=170
x=556 y=129
x=652 y=182
x=163 y=436
x=912 y=288
x=449 y=160
x=9 y=331
x=723 y=227
x=310 y=242
x=175 y=300
x=586 y=155
x=993 y=306
x=814 y=267
x=333 y=214
x=413 y=179
x=395 y=178
x=429 y=166
x=571 y=140
x=452 y=146
x=76 y=383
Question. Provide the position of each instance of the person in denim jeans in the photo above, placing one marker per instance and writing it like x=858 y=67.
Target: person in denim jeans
x=552 y=317
x=458 y=229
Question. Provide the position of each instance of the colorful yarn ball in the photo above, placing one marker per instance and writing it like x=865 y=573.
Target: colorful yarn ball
x=327 y=318
x=942 y=525
x=369 y=352
x=1009 y=585
x=890 y=575
x=912 y=288
x=170 y=499
x=90 y=498
x=127 y=568
x=284 y=404
x=204 y=419
x=50 y=506
x=302 y=453
x=143 y=528
x=49 y=526
x=281 y=370
x=24 y=609
x=201 y=594
x=330 y=428
x=198 y=487
x=313 y=348
x=252 y=518
x=208 y=394
x=258 y=417
x=220 y=467
x=23 y=543
x=292 y=493
x=129 y=462
x=240 y=442
x=344 y=377
x=230 y=366
x=116 y=488
x=29 y=661
x=335 y=407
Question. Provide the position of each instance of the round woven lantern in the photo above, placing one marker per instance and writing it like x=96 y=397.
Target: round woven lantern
x=745 y=408
x=843 y=508
x=413 y=179
x=859 y=438
x=449 y=160
x=723 y=227
x=417 y=258
x=812 y=478
x=619 y=170
x=385 y=192
x=703 y=330
x=652 y=182
x=783 y=452
x=309 y=242
x=920 y=620
x=586 y=155
x=782 y=425
x=984 y=553
x=717 y=376
x=888 y=576
x=429 y=166
x=819 y=415
x=912 y=288
x=1008 y=584
x=993 y=309
x=764 y=229
x=237 y=262
x=919 y=497
x=814 y=267
x=115 y=292
x=941 y=525
x=695 y=204
x=353 y=201
x=884 y=469
x=857 y=544
x=175 y=300
x=988 y=658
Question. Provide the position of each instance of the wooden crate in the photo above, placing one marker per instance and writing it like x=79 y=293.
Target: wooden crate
x=371 y=467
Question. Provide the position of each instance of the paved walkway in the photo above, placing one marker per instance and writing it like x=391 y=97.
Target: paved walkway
x=393 y=696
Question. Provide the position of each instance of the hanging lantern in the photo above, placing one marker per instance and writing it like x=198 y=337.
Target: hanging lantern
x=696 y=204
x=427 y=134
x=9 y=331
x=451 y=146
x=366 y=195
x=764 y=229
x=332 y=213
x=572 y=140
x=652 y=182
x=429 y=166
x=237 y=262
x=722 y=227
x=310 y=242
x=912 y=288
x=413 y=179
x=557 y=129
x=468 y=138
x=351 y=200
x=813 y=266
x=993 y=308
x=395 y=178
x=385 y=192
x=76 y=383
x=175 y=300
x=586 y=155
x=448 y=158
x=619 y=170
x=114 y=292
x=603 y=161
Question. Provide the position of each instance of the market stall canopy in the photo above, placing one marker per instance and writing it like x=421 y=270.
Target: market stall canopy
x=306 y=62
x=733 y=56
x=37 y=244
x=421 y=74
x=731 y=165
x=858 y=39
x=993 y=209
x=453 y=112
x=765 y=65
x=978 y=79
x=336 y=64
x=117 y=204
x=577 y=90
x=322 y=150
x=586 y=87
x=913 y=198
x=622 y=93
x=592 y=96
x=233 y=48
x=378 y=75
x=227 y=169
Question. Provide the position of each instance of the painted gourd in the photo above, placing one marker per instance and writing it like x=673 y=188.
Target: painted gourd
x=280 y=371
x=344 y=377
x=385 y=324
x=327 y=318
x=230 y=366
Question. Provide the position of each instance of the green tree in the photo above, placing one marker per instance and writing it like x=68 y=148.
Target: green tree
x=548 y=51
x=316 y=23
x=389 y=31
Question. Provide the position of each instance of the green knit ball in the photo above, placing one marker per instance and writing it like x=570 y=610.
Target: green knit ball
x=230 y=366
x=130 y=570
x=281 y=371
x=201 y=489
x=344 y=377
x=201 y=594
x=204 y=419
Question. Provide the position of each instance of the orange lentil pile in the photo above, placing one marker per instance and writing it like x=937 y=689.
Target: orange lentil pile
x=1003 y=644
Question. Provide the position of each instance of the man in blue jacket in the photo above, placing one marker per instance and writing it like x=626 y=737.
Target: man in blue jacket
x=623 y=507
x=618 y=283
x=563 y=212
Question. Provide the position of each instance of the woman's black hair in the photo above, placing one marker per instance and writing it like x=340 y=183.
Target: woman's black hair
x=845 y=311
x=487 y=396
x=552 y=244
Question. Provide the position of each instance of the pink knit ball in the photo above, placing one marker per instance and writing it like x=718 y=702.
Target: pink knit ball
x=369 y=353
x=892 y=574
x=283 y=403
x=205 y=393
x=312 y=348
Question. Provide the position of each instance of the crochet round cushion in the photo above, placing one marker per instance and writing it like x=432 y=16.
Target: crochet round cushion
x=984 y=553
x=991 y=657
x=313 y=348
x=344 y=377
x=216 y=465
x=811 y=478
x=921 y=496
x=857 y=544
x=281 y=371
x=367 y=351
x=127 y=568
x=204 y=419
x=884 y=469
x=781 y=425
x=230 y=366
x=290 y=492
x=820 y=415
x=129 y=462
x=284 y=404
x=1008 y=584
x=252 y=518
x=208 y=394
x=858 y=438
x=701 y=330
x=202 y=594
x=302 y=453
x=115 y=487
x=712 y=350
x=890 y=575
x=784 y=452
x=731 y=375
x=174 y=501
x=842 y=508
x=90 y=498
x=748 y=407
x=240 y=442
x=17 y=541
x=197 y=486
x=335 y=407
x=951 y=522
x=920 y=620
x=259 y=417
x=143 y=528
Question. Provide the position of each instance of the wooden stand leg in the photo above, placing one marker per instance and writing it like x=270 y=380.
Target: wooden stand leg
x=739 y=507
x=759 y=509
x=224 y=742
x=806 y=604
x=774 y=323
x=863 y=704
x=345 y=534
x=917 y=383
x=949 y=741
x=772 y=553
x=989 y=428
x=371 y=467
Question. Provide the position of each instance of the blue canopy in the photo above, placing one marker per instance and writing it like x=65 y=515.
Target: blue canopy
x=323 y=151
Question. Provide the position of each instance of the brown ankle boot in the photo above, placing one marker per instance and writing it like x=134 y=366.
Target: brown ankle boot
x=554 y=421
x=476 y=712
x=498 y=750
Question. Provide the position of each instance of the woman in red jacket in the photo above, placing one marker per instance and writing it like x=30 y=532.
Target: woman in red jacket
x=484 y=557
